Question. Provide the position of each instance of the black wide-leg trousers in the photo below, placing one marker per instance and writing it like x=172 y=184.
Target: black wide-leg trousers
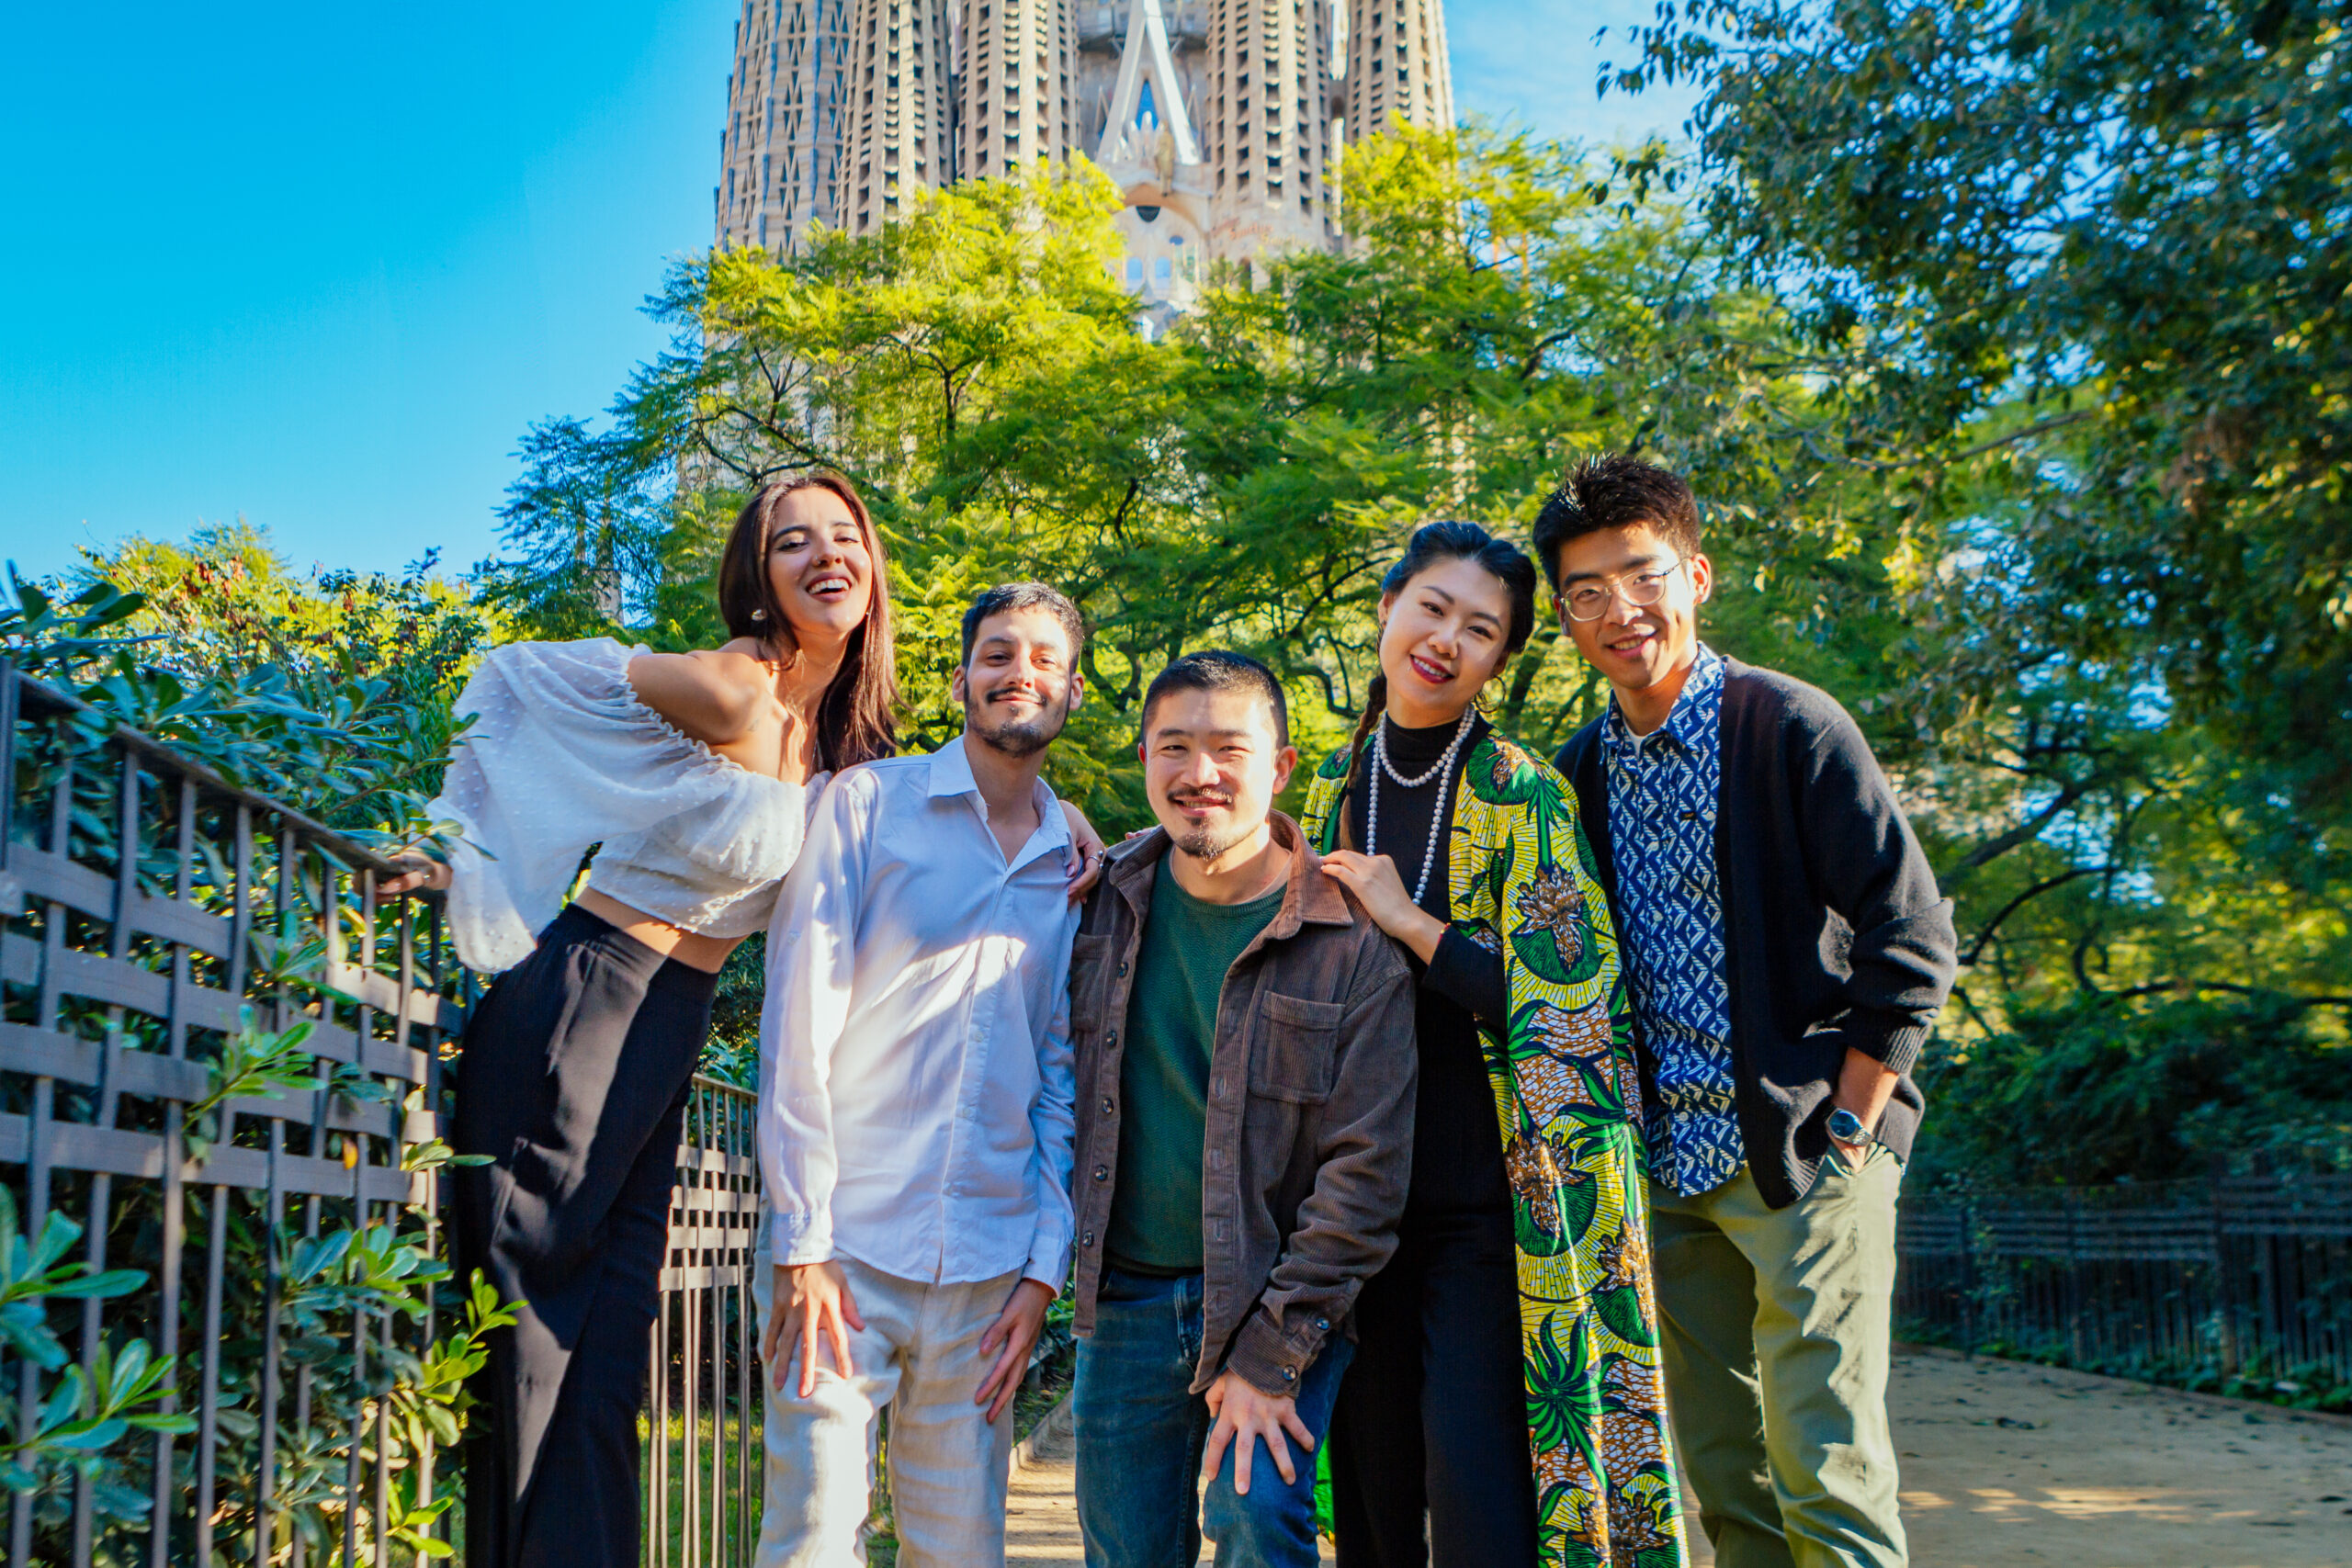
x=573 y=1081
x=1430 y=1429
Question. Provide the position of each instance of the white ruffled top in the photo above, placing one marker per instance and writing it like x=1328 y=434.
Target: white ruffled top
x=562 y=754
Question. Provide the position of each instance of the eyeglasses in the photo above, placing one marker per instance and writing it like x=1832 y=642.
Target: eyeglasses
x=1589 y=601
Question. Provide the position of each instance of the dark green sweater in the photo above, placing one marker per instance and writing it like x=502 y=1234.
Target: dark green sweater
x=1164 y=1077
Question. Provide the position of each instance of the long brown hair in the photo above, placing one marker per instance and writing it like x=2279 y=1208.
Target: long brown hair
x=853 y=721
x=1430 y=544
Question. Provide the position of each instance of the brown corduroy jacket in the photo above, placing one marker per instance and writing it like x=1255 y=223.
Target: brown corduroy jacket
x=1309 y=1142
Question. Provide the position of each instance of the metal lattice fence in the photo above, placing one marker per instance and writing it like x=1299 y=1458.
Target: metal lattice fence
x=2231 y=1274
x=273 y=1194
x=162 y=927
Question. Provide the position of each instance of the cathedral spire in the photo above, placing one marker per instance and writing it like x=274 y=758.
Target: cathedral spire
x=1398 y=68
x=1146 y=125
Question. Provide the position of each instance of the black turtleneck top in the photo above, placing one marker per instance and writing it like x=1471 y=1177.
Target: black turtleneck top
x=1457 y=1142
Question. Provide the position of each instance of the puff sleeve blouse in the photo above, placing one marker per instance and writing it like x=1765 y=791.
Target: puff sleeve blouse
x=562 y=754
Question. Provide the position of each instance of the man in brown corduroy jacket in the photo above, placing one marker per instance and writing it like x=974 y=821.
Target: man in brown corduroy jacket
x=1246 y=1072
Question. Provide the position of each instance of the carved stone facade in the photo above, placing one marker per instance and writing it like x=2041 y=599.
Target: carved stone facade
x=1217 y=119
x=780 y=155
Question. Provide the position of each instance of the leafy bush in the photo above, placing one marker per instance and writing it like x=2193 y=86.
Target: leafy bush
x=332 y=691
x=347 y=1383
x=2101 y=1090
x=88 y=1413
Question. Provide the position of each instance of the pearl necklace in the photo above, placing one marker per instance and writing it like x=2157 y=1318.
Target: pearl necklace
x=1442 y=772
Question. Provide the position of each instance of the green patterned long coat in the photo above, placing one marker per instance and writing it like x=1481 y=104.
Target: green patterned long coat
x=1569 y=1101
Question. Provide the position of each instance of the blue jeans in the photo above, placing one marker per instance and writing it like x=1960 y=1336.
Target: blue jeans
x=1141 y=1430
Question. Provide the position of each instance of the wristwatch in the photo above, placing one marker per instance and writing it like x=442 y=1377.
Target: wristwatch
x=1847 y=1128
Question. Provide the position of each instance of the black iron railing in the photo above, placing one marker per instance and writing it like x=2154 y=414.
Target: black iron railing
x=703 y=1458
x=165 y=938
x=2232 y=1274
x=164 y=930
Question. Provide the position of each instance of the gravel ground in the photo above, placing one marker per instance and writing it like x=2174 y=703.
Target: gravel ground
x=2007 y=1464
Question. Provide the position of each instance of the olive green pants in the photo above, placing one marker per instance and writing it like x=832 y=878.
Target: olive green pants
x=1777 y=1332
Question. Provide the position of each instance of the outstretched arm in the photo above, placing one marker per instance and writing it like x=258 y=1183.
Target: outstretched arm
x=714 y=697
x=1458 y=969
x=1085 y=868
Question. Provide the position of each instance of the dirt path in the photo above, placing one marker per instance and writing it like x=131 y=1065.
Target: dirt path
x=2005 y=1464
x=1041 y=1511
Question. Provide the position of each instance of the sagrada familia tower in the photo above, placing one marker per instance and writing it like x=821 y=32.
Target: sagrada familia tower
x=1217 y=118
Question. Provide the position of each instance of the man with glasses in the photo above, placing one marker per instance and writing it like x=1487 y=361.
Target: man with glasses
x=1788 y=951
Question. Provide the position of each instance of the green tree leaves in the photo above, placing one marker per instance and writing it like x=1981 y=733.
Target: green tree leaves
x=31 y=1270
x=2093 y=253
x=89 y=1410
x=1239 y=481
x=2072 y=285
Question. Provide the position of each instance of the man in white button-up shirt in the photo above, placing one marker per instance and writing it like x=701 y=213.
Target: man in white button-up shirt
x=916 y=1100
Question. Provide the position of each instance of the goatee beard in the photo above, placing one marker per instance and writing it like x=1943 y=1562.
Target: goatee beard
x=1014 y=738
x=1203 y=845
x=1018 y=740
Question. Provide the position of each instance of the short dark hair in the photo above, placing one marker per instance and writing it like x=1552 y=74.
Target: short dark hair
x=1615 y=491
x=1007 y=597
x=1220 y=669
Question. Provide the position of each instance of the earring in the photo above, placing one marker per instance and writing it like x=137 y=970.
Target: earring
x=759 y=615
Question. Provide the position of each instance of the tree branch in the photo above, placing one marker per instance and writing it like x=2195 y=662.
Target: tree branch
x=2153 y=986
x=2024 y=832
x=1985 y=932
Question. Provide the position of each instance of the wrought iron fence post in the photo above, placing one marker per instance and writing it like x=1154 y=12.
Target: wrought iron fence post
x=2075 y=1260
x=1967 y=1276
x=2224 y=1312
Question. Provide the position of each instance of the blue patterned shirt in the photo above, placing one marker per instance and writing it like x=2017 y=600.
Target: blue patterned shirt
x=1663 y=789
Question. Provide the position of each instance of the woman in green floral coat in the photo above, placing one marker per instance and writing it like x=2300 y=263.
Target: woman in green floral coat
x=1504 y=1406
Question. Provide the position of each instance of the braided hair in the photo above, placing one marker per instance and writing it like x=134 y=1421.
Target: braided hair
x=1431 y=543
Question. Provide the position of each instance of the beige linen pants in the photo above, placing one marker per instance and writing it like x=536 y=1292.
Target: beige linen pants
x=919 y=1354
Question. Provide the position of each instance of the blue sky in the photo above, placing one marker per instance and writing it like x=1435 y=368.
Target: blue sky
x=318 y=266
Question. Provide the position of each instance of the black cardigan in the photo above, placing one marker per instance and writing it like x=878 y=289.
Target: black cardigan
x=1835 y=934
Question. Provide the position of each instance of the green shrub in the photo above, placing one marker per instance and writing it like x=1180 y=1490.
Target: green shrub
x=2103 y=1090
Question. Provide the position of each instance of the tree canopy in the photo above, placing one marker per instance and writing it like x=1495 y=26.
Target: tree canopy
x=2077 y=278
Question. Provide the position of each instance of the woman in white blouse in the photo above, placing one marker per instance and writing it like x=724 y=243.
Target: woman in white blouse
x=694 y=772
